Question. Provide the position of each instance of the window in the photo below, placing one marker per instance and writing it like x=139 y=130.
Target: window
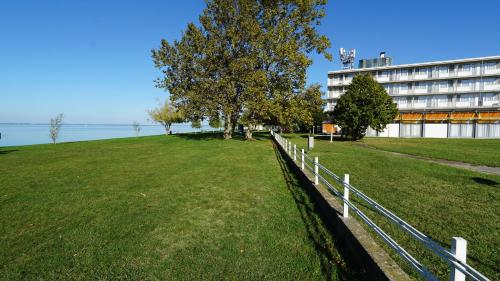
x=422 y=71
x=490 y=97
x=443 y=69
x=421 y=86
x=465 y=68
x=465 y=98
x=491 y=66
x=443 y=85
x=489 y=81
x=384 y=74
x=464 y=83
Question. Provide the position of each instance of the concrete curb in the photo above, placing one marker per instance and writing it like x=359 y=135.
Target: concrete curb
x=357 y=244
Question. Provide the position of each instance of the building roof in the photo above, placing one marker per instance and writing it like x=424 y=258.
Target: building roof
x=415 y=65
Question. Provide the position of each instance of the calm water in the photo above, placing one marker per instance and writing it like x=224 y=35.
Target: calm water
x=25 y=134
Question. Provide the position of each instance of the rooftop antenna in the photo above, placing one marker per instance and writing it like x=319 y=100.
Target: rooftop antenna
x=347 y=58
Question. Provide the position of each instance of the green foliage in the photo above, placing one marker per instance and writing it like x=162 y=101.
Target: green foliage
x=215 y=122
x=166 y=115
x=196 y=124
x=366 y=103
x=246 y=61
x=55 y=127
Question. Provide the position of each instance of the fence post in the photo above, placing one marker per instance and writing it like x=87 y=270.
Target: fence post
x=459 y=250
x=294 y=152
x=302 y=166
x=316 y=162
x=346 y=195
x=286 y=144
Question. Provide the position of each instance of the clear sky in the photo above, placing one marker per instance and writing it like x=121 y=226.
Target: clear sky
x=91 y=59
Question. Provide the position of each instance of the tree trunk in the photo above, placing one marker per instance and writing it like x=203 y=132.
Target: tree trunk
x=248 y=132
x=167 y=129
x=228 y=128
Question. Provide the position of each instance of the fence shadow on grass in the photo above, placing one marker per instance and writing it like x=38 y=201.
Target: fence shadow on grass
x=333 y=263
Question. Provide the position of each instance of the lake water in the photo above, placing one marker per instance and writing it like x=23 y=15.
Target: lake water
x=25 y=134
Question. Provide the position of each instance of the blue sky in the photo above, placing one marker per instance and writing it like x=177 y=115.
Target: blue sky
x=91 y=59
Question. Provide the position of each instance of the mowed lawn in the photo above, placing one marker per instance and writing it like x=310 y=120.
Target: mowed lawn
x=474 y=151
x=441 y=201
x=189 y=207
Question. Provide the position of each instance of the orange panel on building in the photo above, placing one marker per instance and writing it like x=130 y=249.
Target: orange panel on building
x=436 y=116
x=412 y=116
x=489 y=116
x=463 y=116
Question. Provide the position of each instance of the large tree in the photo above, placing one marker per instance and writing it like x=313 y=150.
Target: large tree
x=244 y=62
x=365 y=103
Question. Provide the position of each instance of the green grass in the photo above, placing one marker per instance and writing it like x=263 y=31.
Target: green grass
x=440 y=201
x=158 y=208
x=474 y=151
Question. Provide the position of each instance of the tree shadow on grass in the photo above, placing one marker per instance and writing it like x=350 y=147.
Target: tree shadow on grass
x=485 y=181
x=201 y=136
x=8 y=151
x=204 y=136
x=333 y=265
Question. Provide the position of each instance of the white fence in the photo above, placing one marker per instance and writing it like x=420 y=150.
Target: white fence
x=455 y=257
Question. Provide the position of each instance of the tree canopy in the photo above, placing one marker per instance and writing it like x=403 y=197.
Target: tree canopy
x=166 y=115
x=365 y=103
x=246 y=61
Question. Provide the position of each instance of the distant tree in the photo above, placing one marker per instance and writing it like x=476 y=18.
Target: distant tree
x=166 y=115
x=215 y=122
x=196 y=124
x=298 y=111
x=55 y=127
x=137 y=128
x=365 y=103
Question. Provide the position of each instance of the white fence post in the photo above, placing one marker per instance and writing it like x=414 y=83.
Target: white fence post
x=459 y=250
x=302 y=166
x=346 y=195
x=294 y=152
x=316 y=162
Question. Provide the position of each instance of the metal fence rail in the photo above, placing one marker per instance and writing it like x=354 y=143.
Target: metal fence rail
x=456 y=257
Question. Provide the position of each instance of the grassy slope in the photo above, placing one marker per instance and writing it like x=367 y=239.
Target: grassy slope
x=474 y=151
x=168 y=208
x=441 y=201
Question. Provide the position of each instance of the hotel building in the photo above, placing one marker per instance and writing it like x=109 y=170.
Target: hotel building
x=442 y=99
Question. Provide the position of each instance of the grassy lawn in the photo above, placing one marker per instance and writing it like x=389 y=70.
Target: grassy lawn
x=158 y=208
x=440 y=201
x=474 y=151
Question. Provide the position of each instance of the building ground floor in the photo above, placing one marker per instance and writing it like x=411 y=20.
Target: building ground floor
x=440 y=125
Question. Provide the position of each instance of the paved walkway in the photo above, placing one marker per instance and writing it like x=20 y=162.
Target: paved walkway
x=467 y=166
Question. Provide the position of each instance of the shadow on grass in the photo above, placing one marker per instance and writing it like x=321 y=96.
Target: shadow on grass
x=8 y=151
x=485 y=181
x=333 y=265
x=204 y=136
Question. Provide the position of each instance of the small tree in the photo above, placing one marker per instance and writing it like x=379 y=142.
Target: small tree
x=196 y=124
x=366 y=103
x=55 y=127
x=137 y=128
x=215 y=122
x=166 y=115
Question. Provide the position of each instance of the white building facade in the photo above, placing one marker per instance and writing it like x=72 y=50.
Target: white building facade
x=443 y=99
